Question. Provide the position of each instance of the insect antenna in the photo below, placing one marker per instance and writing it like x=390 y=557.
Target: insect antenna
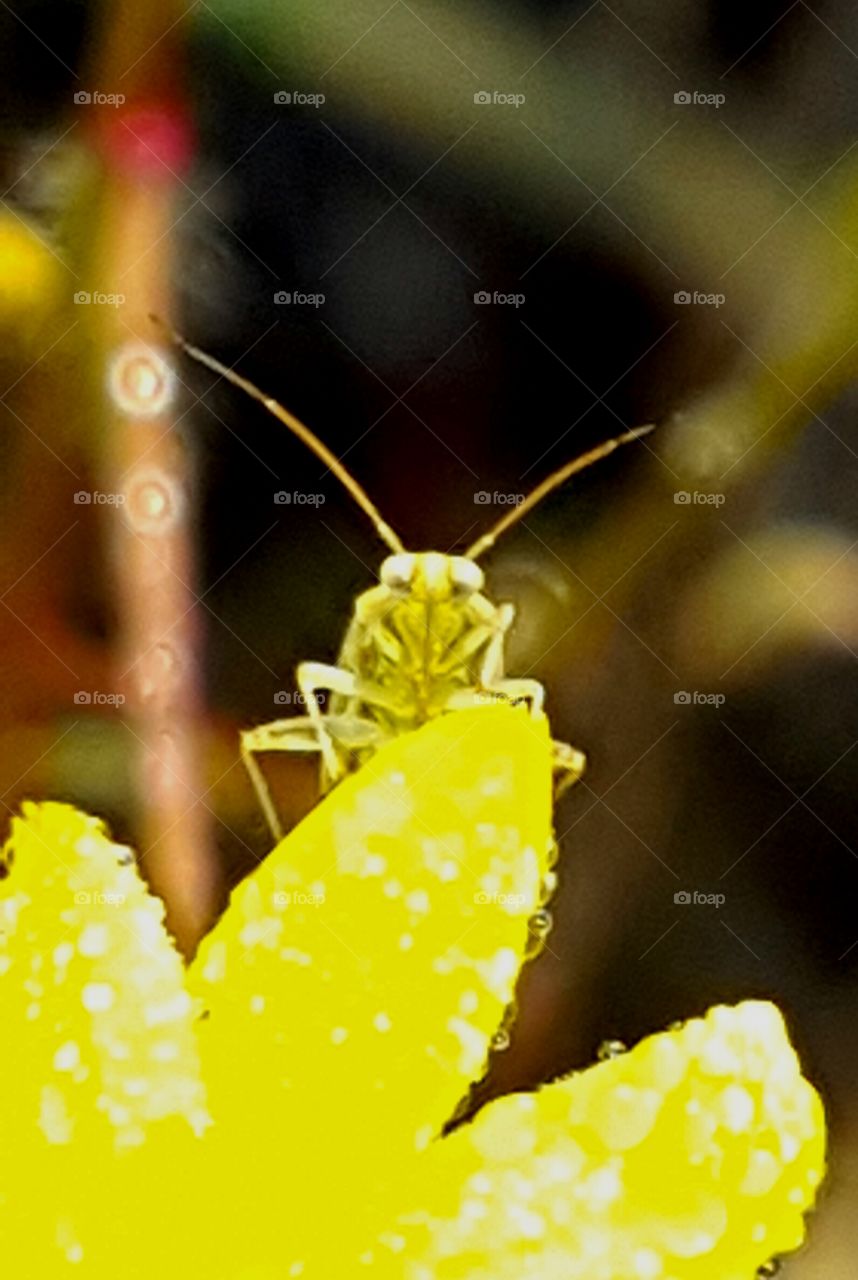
x=550 y=483
x=312 y=441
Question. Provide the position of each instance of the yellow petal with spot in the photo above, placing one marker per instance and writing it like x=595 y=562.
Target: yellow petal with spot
x=100 y=1073
x=359 y=974
x=692 y=1157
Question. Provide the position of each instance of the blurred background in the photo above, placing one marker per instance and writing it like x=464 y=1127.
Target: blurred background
x=464 y=242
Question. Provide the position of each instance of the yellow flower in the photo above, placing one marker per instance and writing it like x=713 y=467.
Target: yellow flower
x=276 y=1110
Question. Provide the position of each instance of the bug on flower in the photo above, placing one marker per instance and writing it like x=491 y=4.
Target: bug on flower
x=425 y=641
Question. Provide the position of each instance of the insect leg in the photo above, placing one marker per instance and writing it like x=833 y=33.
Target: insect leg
x=251 y=741
x=568 y=763
x=299 y=733
x=491 y=672
x=568 y=766
x=316 y=677
x=520 y=690
x=313 y=678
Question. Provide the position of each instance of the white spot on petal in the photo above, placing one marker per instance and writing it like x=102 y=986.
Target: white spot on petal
x=97 y=997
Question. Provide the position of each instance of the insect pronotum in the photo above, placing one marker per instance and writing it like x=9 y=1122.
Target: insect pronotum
x=424 y=641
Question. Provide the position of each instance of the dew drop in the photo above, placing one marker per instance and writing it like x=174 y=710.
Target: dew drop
x=769 y=1269
x=540 y=924
x=156 y=669
x=501 y=1040
x=610 y=1049
x=141 y=382
x=153 y=501
x=547 y=887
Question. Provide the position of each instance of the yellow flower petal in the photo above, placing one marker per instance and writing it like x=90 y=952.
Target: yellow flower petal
x=358 y=975
x=99 y=1046
x=693 y=1157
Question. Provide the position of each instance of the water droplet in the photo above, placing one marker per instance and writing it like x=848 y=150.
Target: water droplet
x=547 y=887
x=141 y=382
x=540 y=924
x=156 y=668
x=769 y=1269
x=153 y=501
x=610 y=1049
x=500 y=1040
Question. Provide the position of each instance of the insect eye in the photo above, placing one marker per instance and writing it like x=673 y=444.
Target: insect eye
x=397 y=572
x=467 y=577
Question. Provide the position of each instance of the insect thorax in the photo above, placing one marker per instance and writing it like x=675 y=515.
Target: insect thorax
x=417 y=639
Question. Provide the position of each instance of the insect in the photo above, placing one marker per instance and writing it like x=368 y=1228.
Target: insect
x=425 y=641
